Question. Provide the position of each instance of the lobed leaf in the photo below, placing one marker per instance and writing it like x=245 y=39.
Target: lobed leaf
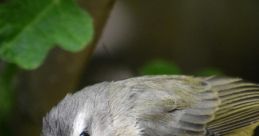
x=30 y=28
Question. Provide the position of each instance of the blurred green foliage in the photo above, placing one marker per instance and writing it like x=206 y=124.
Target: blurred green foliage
x=6 y=89
x=160 y=66
x=7 y=77
x=30 y=28
x=208 y=72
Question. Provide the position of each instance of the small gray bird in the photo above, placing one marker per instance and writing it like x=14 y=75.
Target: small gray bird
x=158 y=106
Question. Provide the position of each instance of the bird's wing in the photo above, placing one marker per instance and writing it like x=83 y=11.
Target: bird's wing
x=189 y=106
x=174 y=105
x=239 y=104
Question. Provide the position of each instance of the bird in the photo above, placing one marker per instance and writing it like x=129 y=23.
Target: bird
x=158 y=105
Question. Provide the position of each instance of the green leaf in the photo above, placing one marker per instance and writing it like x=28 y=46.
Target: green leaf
x=158 y=67
x=30 y=28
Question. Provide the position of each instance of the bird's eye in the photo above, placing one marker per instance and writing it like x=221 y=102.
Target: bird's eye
x=84 y=133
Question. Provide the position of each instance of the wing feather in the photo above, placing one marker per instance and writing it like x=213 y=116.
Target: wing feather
x=239 y=104
x=204 y=106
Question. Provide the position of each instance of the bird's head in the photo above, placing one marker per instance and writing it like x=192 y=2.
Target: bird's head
x=89 y=113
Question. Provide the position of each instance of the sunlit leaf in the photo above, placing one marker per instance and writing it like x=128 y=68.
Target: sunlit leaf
x=30 y=28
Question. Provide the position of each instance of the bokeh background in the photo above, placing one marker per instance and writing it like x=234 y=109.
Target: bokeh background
x=179 y=37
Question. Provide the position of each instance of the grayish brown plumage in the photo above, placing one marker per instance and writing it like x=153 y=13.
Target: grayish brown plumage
x=157 y=106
